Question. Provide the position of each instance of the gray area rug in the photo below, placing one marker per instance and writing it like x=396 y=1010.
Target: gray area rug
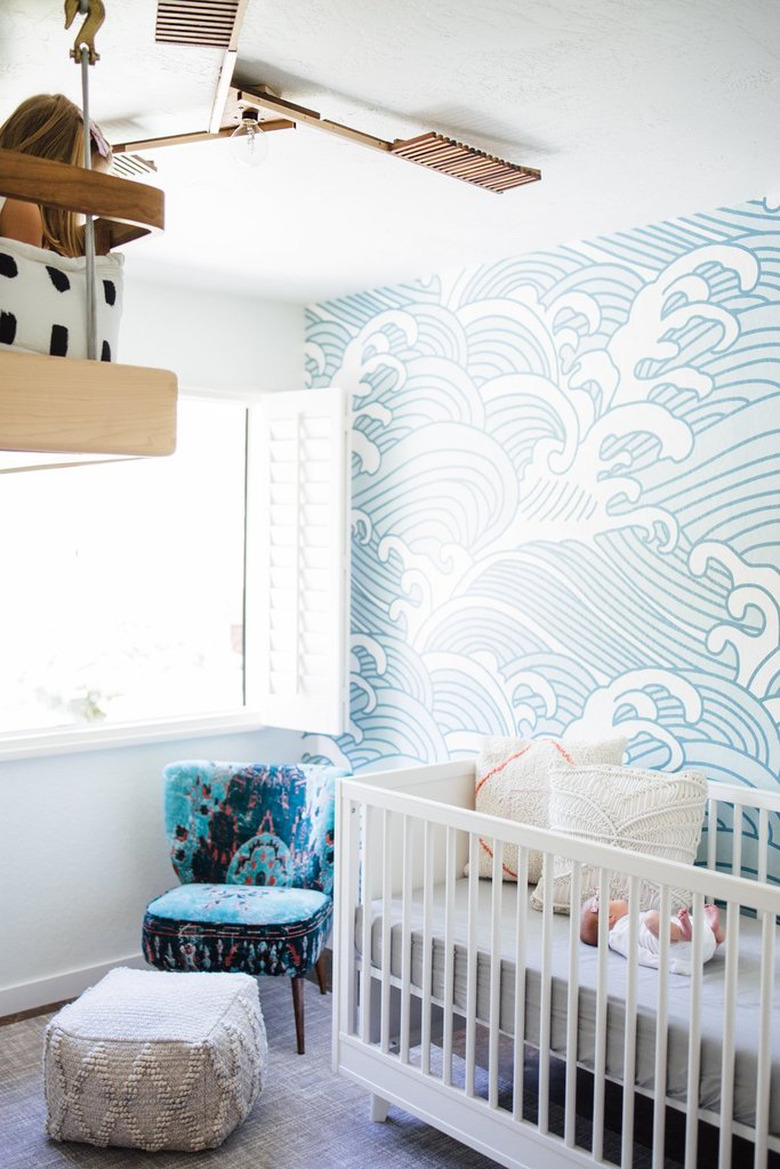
x=307 y=1115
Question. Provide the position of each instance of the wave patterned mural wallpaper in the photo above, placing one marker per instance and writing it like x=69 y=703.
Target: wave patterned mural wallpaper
x=566 y=504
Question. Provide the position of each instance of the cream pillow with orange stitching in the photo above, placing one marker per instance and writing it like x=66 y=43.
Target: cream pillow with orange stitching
x=512 y=781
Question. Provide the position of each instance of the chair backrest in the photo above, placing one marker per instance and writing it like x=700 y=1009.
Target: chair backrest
x=251 y=823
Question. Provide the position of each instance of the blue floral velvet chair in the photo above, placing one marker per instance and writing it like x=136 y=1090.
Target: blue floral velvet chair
x=252 y=844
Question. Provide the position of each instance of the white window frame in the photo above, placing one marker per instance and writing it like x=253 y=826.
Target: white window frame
x=68 y=740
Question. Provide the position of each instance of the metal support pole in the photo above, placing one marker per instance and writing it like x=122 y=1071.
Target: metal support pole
x=89 y=226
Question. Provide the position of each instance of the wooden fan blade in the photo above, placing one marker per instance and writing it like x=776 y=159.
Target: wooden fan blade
x=463 y=162
x=431 y=150
x=196 y=136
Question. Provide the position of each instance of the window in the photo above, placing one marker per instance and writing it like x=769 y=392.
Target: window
x=126 y=587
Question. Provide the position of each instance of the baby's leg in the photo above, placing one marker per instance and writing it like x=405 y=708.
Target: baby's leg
x=651 y=921
x=680 y=930
x=677 y=933
x=712 y=916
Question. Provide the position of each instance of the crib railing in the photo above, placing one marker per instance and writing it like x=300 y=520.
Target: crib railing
x=740 y=827
x=439 y=1004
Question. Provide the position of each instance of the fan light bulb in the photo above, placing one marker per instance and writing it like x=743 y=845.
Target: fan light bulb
x=248 y=142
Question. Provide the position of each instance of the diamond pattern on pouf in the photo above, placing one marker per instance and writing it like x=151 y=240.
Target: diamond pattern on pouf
x=154 y=1061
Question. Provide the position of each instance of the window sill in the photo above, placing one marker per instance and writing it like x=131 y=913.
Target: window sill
x=67 y=741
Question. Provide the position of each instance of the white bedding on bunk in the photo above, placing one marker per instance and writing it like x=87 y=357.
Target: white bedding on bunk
x=43 y=302
x=711 y=1015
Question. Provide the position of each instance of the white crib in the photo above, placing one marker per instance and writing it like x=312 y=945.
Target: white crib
x=464 y=1006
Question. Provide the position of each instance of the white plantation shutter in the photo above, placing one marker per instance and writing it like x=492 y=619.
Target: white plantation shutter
x=297 y=560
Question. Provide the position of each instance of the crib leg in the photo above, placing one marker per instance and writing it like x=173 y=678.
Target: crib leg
x=379 y=1109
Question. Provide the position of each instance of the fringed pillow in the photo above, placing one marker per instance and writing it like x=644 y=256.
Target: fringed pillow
x=656 y=813
x=512 y=782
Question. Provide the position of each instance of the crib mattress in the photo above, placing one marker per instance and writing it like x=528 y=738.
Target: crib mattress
x=748 y=996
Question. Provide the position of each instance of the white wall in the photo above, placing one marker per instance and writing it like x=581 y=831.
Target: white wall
x=82 y=848
x=83 y=852
x=212 y=340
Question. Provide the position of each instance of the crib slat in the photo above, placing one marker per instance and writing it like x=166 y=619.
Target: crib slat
x=600 y=1055
x=661 y=1033
x=365 y=900
x=387 y=859
x=406 y=937
x=712 y=834
x=449 y=953
x=495 y=971
x=471 y=970
x=427 y=974
x=345 y=977
x=727 y=1056
x=545 y=998
x=694 y=1033
x=629 y=1034
x=518 y=1077
x=572 y=1006
x=736 y=842
x=763 y=843
x=768 y=935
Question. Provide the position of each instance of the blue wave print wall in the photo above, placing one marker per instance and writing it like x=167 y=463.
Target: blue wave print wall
x=566 y=504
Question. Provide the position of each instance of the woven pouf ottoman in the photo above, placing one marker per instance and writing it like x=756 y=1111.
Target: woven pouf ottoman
x=151 y=1060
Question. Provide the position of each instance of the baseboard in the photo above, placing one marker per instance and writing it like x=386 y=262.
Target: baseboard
x=27 y=996
x=30 y=996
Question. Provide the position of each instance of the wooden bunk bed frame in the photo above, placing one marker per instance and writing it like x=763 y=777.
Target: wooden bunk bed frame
x=55 y=404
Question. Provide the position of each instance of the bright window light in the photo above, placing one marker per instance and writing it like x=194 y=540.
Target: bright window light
x=122 y=590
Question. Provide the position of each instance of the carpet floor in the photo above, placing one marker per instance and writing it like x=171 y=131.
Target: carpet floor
x=306 y=1116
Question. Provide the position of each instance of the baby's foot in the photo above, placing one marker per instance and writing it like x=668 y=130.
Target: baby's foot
x=712 y=917
x=686 y=930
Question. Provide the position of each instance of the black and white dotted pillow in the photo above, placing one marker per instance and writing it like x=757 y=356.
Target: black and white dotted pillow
x=43 y=301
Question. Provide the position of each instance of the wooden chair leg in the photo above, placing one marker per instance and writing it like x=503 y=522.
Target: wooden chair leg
x=297 y=993
x=322 y=974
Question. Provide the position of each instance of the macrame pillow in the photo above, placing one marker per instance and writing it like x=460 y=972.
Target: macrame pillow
x=512 y=782
x=655 y=813
x=43 y=302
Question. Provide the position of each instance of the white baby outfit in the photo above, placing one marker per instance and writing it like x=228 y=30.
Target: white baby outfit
x=649 y=946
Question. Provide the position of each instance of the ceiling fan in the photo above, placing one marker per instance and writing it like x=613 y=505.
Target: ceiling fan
x=216 y=23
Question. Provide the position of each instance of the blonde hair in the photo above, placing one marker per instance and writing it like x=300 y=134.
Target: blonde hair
x=50 y=126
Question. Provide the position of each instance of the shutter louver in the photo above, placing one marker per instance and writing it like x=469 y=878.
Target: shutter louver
x=297 y=567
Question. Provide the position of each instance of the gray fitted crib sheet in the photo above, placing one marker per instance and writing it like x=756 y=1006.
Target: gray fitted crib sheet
x=711 y=1014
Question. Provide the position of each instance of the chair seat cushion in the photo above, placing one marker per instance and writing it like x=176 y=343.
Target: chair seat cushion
x=254 y=929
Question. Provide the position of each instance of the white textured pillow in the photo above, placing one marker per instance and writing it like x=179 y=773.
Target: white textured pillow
x=656 y=813
x=512 y=782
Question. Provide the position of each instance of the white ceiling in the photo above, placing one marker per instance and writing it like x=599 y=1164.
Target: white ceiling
x=634 y=110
